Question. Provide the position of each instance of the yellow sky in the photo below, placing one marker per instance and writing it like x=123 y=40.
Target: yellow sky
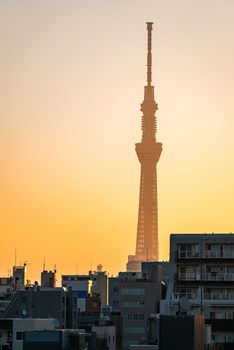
x=71 y=82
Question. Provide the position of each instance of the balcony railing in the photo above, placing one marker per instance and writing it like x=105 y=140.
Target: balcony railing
x=188 y=295
x=219 y=276
x=188 y=276
x=207 y=254
x=218 y=254
x=211 y=276
x=219 y=296
x=188 y=254
x=176 y=297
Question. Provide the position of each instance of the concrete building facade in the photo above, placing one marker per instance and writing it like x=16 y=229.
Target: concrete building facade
x=81 y=285
x=202 y=281
x=12 y=330
x=45 y=303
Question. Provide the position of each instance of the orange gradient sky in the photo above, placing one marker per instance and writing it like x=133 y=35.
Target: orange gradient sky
x=71 y=82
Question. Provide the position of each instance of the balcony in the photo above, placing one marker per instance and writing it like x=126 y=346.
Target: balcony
x=218 y=254
x=188 y=254
x=188 y=276
x=219 y=276
x=207 y=254
x=219 y=296
x=188 y=295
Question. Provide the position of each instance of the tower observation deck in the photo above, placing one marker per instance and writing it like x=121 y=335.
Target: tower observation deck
x=148 y=152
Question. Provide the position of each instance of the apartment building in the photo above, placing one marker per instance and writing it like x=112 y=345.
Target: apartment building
x=202 y=280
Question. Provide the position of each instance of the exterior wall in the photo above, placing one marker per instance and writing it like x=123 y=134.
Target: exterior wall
x=80 y=284
x=113 y=287
x=108 y=333
x=136 y=296
x=12 y=329
x=6 y=293
x=21 y=325
x=113 y=290
x=117 y=320
x=100 y=280
x=202 y=278
x=137 y=300
x=43 y=303
x=48 y=279
x=93 y=304
x=59 y=340
x=181 y=332
x=19 y=276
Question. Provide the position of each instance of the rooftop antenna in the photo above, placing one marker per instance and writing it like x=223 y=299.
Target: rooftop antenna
x=44 y=267
x=15 y=256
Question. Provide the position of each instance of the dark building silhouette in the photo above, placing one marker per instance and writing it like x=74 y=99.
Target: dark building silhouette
x=181 y=332
x=45 y=303
x=148 y=152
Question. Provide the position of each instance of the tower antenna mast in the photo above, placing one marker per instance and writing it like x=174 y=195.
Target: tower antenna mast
x=149 y=53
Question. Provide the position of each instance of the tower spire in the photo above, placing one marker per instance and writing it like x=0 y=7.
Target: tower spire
x=149 y=53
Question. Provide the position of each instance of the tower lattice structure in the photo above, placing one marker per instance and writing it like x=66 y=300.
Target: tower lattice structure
x=148 y=152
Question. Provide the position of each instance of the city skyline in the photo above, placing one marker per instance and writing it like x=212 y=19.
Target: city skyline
x=71 y=83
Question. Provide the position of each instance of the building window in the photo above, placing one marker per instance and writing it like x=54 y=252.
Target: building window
x=9 y=334
x=115 y=303
x=133 y=291
x=19 y=336
x=133 y=303
x=212 y=314
x=134 y=317
x=133 y=330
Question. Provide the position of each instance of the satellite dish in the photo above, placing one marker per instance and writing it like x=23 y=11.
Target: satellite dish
x=185 y=304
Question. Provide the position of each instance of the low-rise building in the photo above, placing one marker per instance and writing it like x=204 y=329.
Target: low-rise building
x=12 y=330
x=44 y=303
